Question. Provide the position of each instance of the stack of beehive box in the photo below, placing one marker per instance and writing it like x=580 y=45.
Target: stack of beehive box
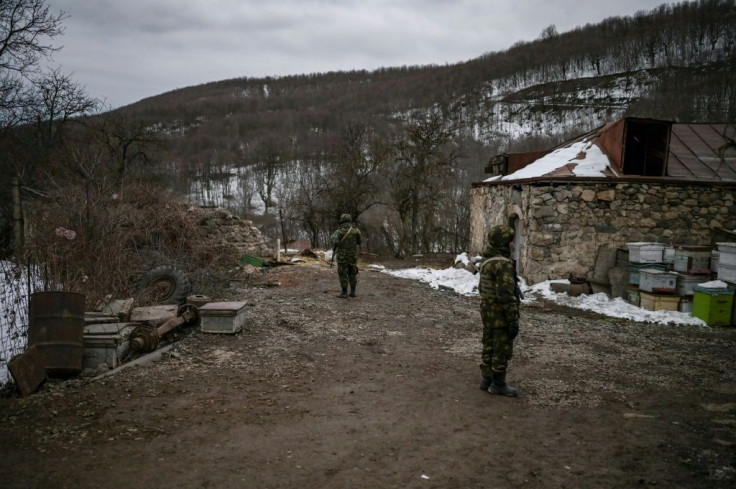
x=680 y=278
x=692 y=264
x=726 y=266
x=715 y=304
x=664 y=278
x=651 y=285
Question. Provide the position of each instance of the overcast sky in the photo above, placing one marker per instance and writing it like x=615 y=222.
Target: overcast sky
x=123 y=51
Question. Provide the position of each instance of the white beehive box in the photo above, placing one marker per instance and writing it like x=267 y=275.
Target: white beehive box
x=686 y=283
x=651 y=280
x=106 y=343
x=222 y=317
x=727 y=273
x=692 y=259
x=727 y=254
x=645 y=252
x=668 y=255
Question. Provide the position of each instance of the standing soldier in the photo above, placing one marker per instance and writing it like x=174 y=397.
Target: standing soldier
x=499 y=310
x=345 y=242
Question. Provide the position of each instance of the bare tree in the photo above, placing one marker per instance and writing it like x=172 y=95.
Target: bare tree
x=269 y=158
x=26 y=28
x=28 y=96
x=423 y=163
x=128 y=143
x=56 y=98
x=548 y=32
x=350 y=185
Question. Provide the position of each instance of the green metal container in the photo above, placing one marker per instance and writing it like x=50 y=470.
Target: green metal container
x=714 y=306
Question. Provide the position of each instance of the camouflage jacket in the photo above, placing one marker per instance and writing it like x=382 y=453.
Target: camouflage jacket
x=347 y=238
x=497 y=282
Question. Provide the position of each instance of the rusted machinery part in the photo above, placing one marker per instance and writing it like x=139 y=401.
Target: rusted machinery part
x=198 y=300
x=189 y=312
x=186 y=314
x=143 y=339
x=169 y=325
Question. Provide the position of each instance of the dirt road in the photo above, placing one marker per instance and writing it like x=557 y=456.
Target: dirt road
x=381 y=391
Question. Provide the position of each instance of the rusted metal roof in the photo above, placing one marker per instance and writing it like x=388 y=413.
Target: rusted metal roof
x=510 y=162
x=694 y=152
x=520 y=160
x=610 y=140
x=702 y=152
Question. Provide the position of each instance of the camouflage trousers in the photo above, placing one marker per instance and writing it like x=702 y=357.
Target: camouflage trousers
x=498 y=347
x=348 y=274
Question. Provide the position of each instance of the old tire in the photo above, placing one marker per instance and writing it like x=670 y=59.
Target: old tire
x=166 y=285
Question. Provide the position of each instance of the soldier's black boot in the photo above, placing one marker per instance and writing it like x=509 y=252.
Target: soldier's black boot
x=498 y=385
x=352 y=290
x=485 y=383
x=344 y=293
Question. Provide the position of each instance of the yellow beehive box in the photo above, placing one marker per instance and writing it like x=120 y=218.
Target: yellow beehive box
x=658 y=302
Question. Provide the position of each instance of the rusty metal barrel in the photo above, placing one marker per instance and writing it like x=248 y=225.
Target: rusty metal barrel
x=56 y=328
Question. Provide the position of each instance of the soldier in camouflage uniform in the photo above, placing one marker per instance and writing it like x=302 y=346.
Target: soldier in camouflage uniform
x=345 y=242
x=499 y=310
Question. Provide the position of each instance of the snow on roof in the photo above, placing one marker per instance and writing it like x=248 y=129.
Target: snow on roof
x=582 y=158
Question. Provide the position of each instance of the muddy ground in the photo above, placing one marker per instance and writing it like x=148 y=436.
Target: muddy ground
x=381 y=391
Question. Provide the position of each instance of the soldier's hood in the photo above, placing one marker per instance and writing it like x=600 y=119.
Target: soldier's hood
x=490 y=251
x=498 y=240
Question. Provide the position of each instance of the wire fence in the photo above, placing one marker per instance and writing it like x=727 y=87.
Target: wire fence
x=17 y=283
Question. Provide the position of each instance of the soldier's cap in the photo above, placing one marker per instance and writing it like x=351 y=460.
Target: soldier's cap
x=500 y=236
x=345 y=218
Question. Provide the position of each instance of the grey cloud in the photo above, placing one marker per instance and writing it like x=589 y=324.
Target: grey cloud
x=147 y=47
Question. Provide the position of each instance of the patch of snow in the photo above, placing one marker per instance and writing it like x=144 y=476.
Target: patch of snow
x=462 y=258
x=466 y=283
x=714 y=284
x=457 y=279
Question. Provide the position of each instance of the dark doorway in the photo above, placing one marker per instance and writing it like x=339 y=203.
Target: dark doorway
x=646 y=144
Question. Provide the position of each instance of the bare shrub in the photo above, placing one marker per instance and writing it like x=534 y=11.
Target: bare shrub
x=97 y=244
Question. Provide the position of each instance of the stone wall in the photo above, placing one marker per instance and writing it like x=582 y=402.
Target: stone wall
x=562 y=225
x=219 y=224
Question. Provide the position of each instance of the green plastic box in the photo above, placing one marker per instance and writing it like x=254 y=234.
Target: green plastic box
x=252 y=260
x=713 y=306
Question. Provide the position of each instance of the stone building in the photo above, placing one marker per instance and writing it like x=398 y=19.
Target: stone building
x=633 y=180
